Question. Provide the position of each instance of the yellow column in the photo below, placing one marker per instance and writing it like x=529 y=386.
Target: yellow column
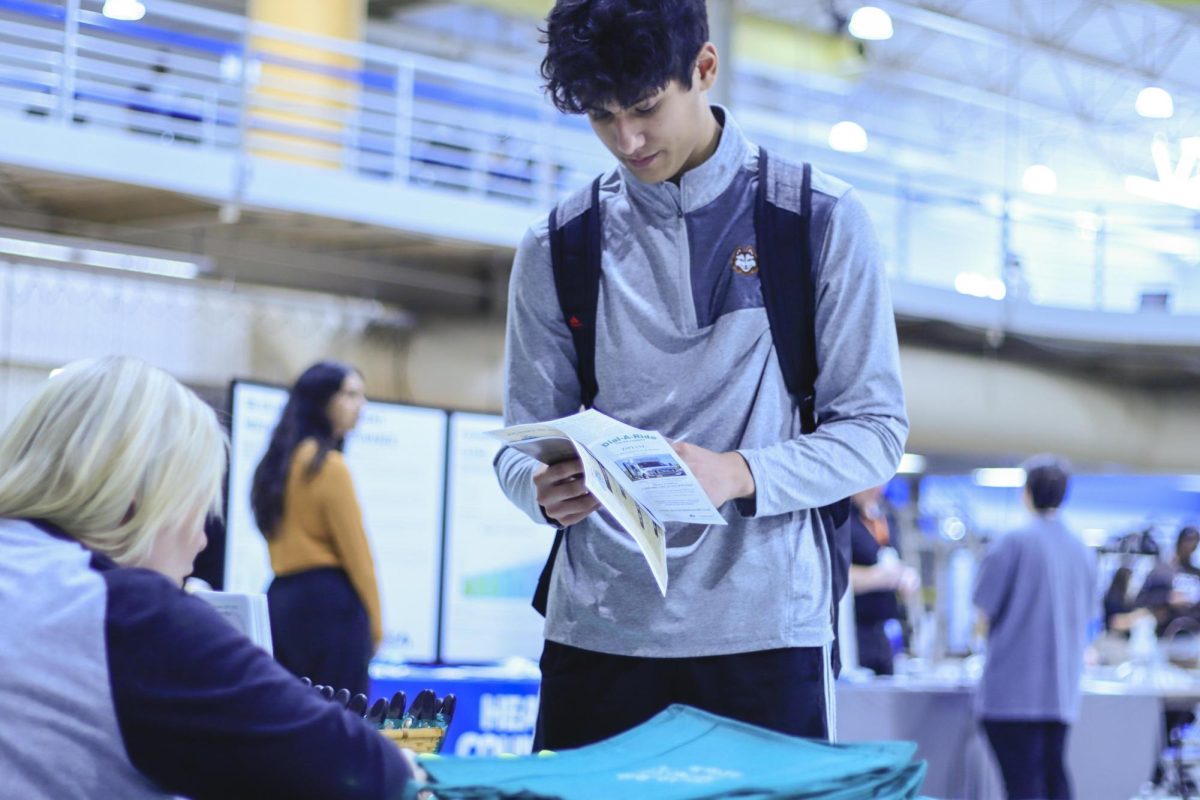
x=302 y=100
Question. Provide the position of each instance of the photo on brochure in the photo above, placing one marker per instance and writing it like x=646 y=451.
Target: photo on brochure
x=632 y=473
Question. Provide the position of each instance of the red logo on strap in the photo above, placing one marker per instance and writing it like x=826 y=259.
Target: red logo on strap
x=574 y=322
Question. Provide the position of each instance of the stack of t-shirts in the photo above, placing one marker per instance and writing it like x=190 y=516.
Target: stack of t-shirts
x=686 y=754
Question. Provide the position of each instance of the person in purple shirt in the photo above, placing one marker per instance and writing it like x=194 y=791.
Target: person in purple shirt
x=115 y=682
x=1036 y=589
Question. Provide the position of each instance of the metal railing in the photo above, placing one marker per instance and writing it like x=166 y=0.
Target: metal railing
x=216 y=81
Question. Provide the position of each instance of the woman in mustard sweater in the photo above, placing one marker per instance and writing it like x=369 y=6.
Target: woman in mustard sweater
x=324 y=600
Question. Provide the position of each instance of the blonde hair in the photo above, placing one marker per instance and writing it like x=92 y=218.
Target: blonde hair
x=115 y=452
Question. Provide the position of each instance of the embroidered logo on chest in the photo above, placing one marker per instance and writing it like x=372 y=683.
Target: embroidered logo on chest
x=744 y=260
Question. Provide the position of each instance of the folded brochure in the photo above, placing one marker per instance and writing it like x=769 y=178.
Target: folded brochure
x=634 y=474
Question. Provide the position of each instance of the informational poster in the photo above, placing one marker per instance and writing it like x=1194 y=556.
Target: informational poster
x=1097 y=506
x=253 y=414
x=494 y=554
x=396 y=456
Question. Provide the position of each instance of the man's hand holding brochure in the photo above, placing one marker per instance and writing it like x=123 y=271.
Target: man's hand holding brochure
x=634 y=474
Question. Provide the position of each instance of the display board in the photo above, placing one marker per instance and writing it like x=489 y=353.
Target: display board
x=396 y=456
x=1099 y=506
x=494 y=554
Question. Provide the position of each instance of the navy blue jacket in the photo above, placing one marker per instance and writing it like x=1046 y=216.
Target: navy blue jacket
x=116 y=683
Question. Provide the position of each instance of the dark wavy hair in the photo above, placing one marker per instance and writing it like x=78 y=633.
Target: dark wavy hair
x=304 y=417
x=598 y=51
x=1046 y=479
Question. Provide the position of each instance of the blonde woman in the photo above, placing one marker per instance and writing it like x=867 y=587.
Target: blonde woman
x=115 y=683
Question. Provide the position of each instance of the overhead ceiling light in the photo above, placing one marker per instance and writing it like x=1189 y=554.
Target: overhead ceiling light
x=1088 y=221
x=1154 y=102
x=848 y=137
x=911 y=464
x=999 y=477
x=82 y=252
x=124 y=10
x=977 y=285
x=1039 y=179
x=870 y=23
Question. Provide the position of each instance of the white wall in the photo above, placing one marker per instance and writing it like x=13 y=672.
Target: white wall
x=971 y=404
x=209 y=333
x=957 y=404
x=202 y=332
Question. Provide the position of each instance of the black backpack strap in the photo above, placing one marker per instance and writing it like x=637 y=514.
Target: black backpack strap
x=789 y=287
x=541 y=593
x=575 y=252
x=789 y=291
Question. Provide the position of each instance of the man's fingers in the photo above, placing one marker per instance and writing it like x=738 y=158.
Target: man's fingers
x=564 y=470
x=581 y=504
x=570 y=488
x=557 y=493
x=575 y=510
x=562 y=493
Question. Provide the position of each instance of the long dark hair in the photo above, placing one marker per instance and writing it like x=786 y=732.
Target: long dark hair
x=304 y=417
x=1118 y=589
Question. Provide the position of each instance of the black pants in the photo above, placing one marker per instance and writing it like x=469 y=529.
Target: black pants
x=874 y=648
x=1031 y=757
x=588 y=696
x=320 y=629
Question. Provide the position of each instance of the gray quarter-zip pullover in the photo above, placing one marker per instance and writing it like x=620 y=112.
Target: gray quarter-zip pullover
x=683 y=347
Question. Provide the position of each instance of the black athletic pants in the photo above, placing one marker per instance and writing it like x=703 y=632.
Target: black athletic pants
x=319 y=628
x=1031 y=757
x=588 y=696
x=874 y=648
